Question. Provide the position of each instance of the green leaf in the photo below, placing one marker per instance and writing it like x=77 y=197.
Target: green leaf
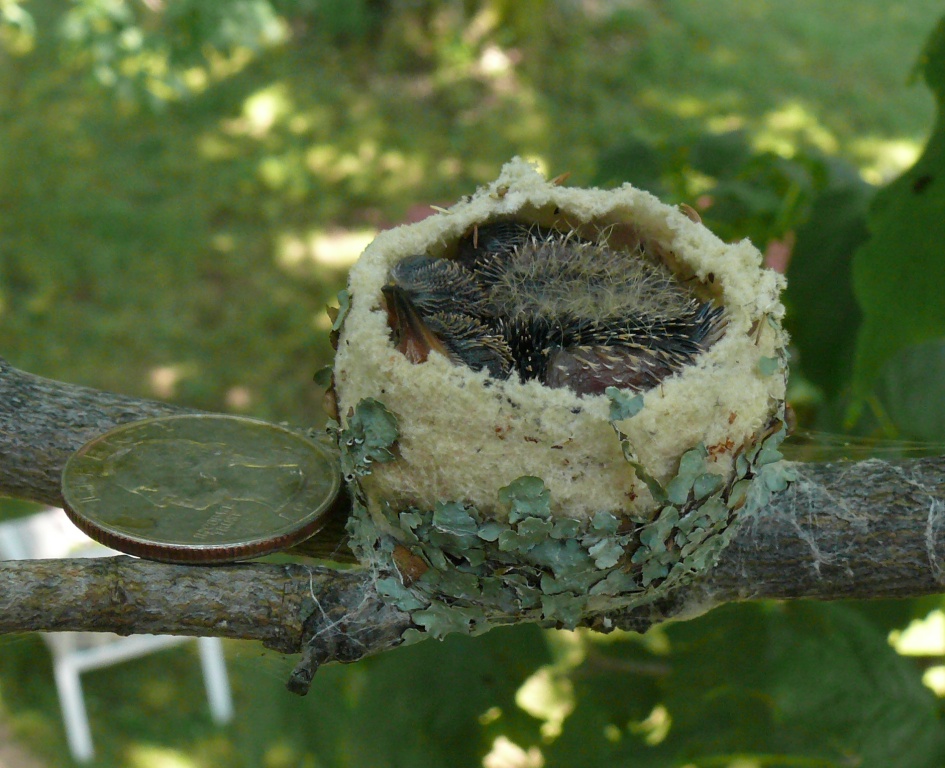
x=614 y=689
x=447 y=687
x=929 y=63
x=899 y=275
x=632 y=160
x=834 y=673
x=910 y=391
x=823 y=322
x=720 y=154
x=814 y=683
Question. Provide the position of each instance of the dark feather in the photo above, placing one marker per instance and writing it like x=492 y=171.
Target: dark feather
x=553 y=307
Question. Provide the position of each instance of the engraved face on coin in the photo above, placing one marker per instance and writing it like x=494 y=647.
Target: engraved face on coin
x=200 y=488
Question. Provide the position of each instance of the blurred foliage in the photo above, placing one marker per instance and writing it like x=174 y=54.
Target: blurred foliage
x=752 y=685
x=182 y=186
x=899 y=275
x=163 y=50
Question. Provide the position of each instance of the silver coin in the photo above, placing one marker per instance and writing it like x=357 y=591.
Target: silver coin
x=200 y=488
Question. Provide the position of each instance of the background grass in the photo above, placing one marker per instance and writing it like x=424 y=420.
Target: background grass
x=174 y=218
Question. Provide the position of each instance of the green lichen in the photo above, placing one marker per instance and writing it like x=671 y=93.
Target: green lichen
x=392 y=589
x=367 y=439
x=623 y=404
x=768 y=365
x=526 y=497
x=344 y=306
x=322 y=376
x=477 y=570
x=453 y=519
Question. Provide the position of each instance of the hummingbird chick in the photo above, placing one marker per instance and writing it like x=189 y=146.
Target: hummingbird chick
x=490 y=248
x=550 y=306
x=471 y=342
x=438 y=285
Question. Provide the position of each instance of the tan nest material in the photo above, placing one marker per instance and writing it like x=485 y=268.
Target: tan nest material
x=464 y=435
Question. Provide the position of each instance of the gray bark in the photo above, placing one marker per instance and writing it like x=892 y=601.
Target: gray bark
x=43 y=422
x=868 y=529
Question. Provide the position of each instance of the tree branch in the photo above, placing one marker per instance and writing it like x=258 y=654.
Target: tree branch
x=846 y=530
x=869 y=529
x=43 y=422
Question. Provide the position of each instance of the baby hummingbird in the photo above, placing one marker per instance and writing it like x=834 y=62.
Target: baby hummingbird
x=551 y=306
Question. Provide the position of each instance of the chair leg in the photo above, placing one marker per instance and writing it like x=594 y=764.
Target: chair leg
x=73 y=711
x=215 y=679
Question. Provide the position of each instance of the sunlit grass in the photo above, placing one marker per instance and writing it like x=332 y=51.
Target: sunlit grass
x=881 y=160
x=262 y=110
x=792 y=126
x=926 y=638
x=164 y=379
x=549 y=696
x=505 y=753
x=655 y=728
x=150 y=756
x=189 y=254
x=923 y=637
x=308 y=254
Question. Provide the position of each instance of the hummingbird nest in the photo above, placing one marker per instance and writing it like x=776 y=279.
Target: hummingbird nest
x=554 y=403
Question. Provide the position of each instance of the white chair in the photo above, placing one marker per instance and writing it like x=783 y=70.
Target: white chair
x=51 y=535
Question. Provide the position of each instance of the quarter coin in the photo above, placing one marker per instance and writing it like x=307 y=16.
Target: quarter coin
x=200 y=488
